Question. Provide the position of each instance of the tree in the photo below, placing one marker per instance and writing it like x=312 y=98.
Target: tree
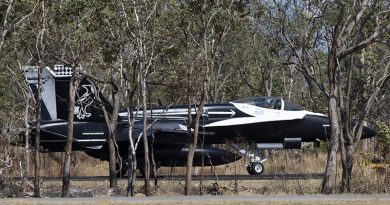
x=374 y=78
x=132 y=157
x=73 y=88
x=144 y=34
x=208 y=40
x=13 y=16
x=130 y=74
x=112 y=120
x=12 y=20
x=334 y=33
x=40 y=47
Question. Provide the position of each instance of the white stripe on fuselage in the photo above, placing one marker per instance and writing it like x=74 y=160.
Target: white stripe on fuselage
x=163 y=113
x=257 y=114
x=176 y=113
x=260 y=115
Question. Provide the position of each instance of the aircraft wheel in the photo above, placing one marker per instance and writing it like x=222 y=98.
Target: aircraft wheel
x=256 y=168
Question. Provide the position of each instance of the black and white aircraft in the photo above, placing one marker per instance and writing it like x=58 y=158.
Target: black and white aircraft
x=267 y=122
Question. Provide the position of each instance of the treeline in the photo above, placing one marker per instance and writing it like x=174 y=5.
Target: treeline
x=331 y=57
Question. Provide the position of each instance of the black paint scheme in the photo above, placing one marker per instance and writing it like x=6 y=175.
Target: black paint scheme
x=169 y=128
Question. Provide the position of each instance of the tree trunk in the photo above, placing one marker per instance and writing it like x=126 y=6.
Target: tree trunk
x=153 y=163
x=37 y=188
x=199 y=112
x=73 y=87
x=132 y=161
x=335 y=124
x=153 y=168
x=26 y=139
x=145 y=137
x=347 y=163
x=111 y=121
x=112 y=162
x=189 y=123
x=327 y=184
x=190 y=157
x=111 y=141
x=132 y=157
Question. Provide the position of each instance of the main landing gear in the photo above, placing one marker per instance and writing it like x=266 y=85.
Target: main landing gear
x=255 y=166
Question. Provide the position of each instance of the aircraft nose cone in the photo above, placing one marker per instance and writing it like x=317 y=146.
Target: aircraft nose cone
x=368 y=132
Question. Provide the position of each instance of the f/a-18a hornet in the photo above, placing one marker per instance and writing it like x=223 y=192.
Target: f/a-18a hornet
x=266 y=122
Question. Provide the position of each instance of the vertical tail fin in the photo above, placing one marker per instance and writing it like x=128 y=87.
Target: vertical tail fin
x=49 y=106
x=55 y=95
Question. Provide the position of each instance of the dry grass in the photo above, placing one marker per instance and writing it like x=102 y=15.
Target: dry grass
x=281 y=162
x=369 y=181
x=82 y=165
x=365 y=179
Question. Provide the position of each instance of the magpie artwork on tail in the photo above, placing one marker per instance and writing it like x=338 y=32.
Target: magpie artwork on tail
x=84 y=101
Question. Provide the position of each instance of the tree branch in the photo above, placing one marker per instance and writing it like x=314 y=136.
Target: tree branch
x=363 y=44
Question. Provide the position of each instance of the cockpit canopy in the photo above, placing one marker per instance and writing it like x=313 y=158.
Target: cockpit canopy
x=270 y=103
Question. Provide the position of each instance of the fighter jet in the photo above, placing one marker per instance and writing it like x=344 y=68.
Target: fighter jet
x=266 y=122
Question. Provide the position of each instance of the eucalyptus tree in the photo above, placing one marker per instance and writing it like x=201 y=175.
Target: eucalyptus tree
x=40 y=49
x=201 y=31
x=14 y=16
x=70 y=38
x=333 y=33
x=138 y=55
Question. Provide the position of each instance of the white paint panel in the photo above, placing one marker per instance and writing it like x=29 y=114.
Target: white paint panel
x=248 y=120
x=49 y=93
x=95 y=147
x=91 y=140
x=48 y=87
x=260 y=115
x=93 y=133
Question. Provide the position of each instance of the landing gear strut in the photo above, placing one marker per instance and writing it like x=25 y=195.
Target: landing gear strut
x=255 y=166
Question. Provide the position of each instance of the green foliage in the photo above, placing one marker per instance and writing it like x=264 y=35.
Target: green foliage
x=383 y=138
x=242 y=62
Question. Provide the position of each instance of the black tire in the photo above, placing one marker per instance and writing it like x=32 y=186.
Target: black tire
x=257 y=168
